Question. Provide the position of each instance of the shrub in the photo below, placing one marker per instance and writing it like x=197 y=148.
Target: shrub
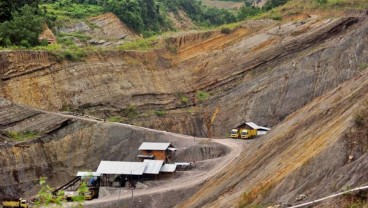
x=22 y=135
x=202 y=95
x=23 y=29
x=321 y=1
x=225 y=30
x=130 y=112
x=114 y=119
x=160 y=113
x=73 y=54
x=184 y=99
x=140 y=44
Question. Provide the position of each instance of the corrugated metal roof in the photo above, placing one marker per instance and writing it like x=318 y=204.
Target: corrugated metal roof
x=182 y=163
x=255 y=126
x=153 y=146
x=84 y=174
x=153 y=166
x=168 y=168
x=116 y=167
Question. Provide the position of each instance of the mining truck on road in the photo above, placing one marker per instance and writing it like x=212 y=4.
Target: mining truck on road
x=243 y=133
x=248 y=130
x=15 y=202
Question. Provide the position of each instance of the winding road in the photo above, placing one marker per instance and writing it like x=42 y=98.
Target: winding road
x=192 y=180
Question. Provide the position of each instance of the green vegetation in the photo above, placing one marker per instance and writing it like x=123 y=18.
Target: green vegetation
x=114 y=119
x=226 y=30
x=358 y=204
x=141 y=44
x=362 y=66
x=160 y=113
x=130 y=112
x=23 y=28
x=22 y=135
x=66 y=9
x=45 y=198
x=182 y=97
x=22 y=21
x=202 y=95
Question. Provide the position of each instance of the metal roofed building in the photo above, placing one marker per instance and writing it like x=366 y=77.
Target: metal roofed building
x=156 y=151
x=168 y=168
x=125 y=168
x=153 y=166
x=255 y=126
x=261 y=130
x=154 y=146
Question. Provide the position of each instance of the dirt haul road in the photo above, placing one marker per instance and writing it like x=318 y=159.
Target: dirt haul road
x=188 y=181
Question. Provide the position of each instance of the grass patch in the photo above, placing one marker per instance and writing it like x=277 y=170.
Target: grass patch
x=202 y=95
x=182 y=97
x=22 y=135
x=73 y=10
x=130 y=112
x=114 y=119
x=160 y=113
x=362 y=66
x=71 y=53
x=78 y=35
x=141 y=44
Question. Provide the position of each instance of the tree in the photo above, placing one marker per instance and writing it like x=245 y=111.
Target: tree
x=5 y=10
x=127 y=10
x=23 y=29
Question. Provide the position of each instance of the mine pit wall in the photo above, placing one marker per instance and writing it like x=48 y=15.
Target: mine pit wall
x=327 y=173
x=263 y=88
x=81 y=146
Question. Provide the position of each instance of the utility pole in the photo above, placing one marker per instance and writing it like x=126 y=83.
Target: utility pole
x=132 y=187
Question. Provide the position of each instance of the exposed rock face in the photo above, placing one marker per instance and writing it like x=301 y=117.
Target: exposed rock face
x=68 y=144
x=251 y=74
x=316 y=151
x=105 y=29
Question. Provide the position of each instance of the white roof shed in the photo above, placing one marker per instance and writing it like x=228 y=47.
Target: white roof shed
x=155 y=146
x=153 y=166
x=255 y=126
x=116 y=167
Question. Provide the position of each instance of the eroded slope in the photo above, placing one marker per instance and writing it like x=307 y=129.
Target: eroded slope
x=263 y=70
x=312 y=152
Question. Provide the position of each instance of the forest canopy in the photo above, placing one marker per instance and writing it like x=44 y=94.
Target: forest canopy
x=22 y=21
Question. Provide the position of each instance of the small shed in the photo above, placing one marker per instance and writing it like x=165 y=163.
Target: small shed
x=261 y=130
x=156 y=151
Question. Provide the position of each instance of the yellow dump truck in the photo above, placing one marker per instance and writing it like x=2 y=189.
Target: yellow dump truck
x=248 y=134
x=243 y=133
x=235 y=133
x=14 y=202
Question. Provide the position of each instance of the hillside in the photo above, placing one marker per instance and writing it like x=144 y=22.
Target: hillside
x=315 y=151
x=266 y=66
x=302 y=71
